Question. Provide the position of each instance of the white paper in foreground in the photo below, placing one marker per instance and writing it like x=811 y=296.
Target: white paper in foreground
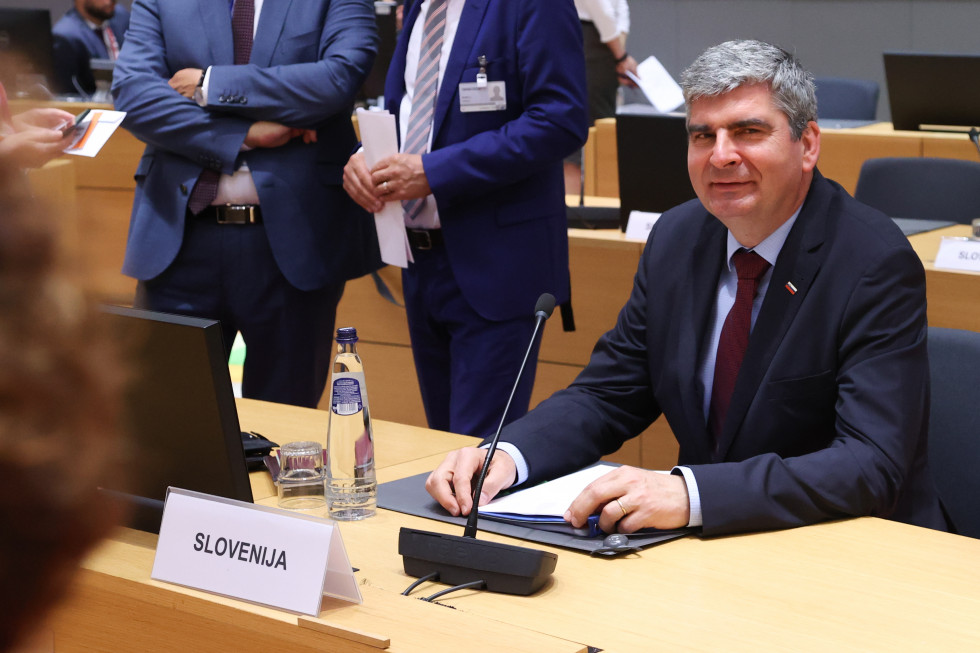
x=551 y=498
x=94 y=132
x=657 y=85
x=380 y=139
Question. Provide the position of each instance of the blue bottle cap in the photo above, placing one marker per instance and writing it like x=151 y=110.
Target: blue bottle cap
x=346 y=334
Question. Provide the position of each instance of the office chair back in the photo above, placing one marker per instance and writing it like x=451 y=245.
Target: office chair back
x=921 y=187
x=846 y=99
x=954 y=437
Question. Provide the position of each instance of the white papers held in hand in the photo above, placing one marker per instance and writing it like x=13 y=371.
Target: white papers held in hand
x=657 y=85
x=380 y=140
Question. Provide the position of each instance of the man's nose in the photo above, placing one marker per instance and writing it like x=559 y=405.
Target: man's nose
x=724 y=152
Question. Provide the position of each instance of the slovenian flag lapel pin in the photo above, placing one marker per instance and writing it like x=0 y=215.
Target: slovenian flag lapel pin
x=790 y=287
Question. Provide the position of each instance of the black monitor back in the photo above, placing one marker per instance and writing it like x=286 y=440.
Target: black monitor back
x=374 y=84
x=652 y=157
x=26 y=49
x=179 y=411
x=935 y=90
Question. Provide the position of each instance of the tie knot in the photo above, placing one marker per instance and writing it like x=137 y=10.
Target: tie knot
x=749 y=265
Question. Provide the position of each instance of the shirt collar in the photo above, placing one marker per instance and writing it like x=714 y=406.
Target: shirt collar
x=770 y=247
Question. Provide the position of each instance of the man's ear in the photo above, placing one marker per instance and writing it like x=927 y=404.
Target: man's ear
x=811 y=145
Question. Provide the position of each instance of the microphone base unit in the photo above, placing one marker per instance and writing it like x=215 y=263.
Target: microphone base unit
x=504 y=568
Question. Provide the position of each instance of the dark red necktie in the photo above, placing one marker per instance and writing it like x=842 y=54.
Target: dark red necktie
x=734 y=339
x=242 y=21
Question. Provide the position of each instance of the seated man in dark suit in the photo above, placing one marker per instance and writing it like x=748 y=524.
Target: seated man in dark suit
x=776 y=323
x=92 y=29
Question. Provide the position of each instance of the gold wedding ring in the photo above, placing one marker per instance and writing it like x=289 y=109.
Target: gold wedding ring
x=622 y=507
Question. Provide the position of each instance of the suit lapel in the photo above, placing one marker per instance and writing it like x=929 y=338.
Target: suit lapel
x=216 y=21
x=798 y=264
x=271 y=22
x=469 y=26
x=706 y=265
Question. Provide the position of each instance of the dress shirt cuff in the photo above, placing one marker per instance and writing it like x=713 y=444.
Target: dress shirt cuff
x=519 y=461
x=202 y=96
x=692 y=493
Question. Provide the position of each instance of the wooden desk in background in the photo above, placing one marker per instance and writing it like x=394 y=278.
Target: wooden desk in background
x=842 y=151
x=855 y=585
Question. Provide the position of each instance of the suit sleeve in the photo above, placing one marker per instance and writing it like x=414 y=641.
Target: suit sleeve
x=304 y=94
x=609 y=402
x=553 y=123
x=157 y=114
x=882 y=382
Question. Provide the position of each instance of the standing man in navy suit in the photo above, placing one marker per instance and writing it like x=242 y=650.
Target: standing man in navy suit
x=489 y=96
x=777 y=324
x=92 y=29
x=239 y=212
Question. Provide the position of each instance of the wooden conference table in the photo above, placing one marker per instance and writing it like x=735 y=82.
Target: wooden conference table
x=855 y=585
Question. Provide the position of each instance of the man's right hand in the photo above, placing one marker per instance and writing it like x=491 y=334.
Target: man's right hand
x=360 y=186
x=451 y=484
x=271 y=134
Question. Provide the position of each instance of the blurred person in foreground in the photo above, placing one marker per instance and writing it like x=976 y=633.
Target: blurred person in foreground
x=58 y=417
x=778 y=324
x=33 y=137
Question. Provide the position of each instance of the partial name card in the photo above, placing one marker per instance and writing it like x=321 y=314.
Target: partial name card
x=94 y=132
x=959 y=254
x=640 y=224
x=278 y=558
x=380 y=139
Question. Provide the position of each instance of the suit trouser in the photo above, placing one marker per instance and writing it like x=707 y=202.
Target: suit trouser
x=466 y=364
x=228 y=273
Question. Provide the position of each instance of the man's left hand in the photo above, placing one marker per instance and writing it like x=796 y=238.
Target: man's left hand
x=185 y=81
x=628 y=499
x=401 y=177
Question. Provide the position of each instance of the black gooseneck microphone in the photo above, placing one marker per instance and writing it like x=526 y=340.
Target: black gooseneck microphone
x=459 y=560
x=975 y=137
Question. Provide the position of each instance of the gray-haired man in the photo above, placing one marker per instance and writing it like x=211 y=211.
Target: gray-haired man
x=778 y=324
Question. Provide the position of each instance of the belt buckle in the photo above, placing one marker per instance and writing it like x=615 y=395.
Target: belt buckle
x=423 y=239
x=236 y=214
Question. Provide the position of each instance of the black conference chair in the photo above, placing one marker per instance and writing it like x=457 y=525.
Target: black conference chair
x=846 y=99
x=954 y=437
x=924 y=188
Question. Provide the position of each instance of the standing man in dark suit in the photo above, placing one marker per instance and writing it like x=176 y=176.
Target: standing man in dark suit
x=92 y=29
x=489 y=96
x=778 y=325
x=239 y=212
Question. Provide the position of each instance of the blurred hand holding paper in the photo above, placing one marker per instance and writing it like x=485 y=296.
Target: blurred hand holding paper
x=657 y=85
x=380 y=140
x=92 y=133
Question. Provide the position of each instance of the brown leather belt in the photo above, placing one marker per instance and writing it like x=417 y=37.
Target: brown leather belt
x=424 y=239
x=233 y=214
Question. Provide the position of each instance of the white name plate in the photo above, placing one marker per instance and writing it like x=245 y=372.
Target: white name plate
x=959 y=254
x=265 y=555
x=640 y=224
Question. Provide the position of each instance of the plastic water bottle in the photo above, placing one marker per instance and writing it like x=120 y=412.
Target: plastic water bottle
x=352 y=490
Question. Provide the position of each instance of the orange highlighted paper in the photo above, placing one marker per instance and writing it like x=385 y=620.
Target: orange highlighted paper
x=94 y=132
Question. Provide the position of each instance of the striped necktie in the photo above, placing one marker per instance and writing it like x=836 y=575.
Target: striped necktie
x=424 y=98
x=242 y=21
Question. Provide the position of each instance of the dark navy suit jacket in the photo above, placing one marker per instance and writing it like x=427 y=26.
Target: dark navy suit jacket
x=308 y=60
x=75 y=43
x=829 y=414
x=497 y=176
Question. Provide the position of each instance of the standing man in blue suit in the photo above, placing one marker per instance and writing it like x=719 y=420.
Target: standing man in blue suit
x=239 y=212
x=92 y=29
x=777 y=324
x=489 y=96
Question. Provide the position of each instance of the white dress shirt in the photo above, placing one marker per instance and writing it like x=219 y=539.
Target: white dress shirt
x=610 y=17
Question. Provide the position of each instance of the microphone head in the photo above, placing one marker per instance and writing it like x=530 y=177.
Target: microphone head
x=545 y=306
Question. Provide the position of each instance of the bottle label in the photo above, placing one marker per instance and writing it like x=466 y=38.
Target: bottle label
x=346 y=396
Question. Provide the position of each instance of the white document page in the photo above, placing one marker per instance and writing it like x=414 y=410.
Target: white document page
x=380 y=140
x=551 y=498
x=657 y=85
